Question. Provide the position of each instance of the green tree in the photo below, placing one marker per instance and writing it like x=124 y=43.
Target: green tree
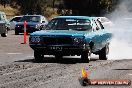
x=89 y=7
x=30 y=6
x=4 y=2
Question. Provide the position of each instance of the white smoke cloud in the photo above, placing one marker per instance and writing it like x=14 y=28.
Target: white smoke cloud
x=121 y=45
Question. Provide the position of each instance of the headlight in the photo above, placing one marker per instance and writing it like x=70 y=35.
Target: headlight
x=35 y=39
x=17 y=26
x=78 y=40
x=36 y=26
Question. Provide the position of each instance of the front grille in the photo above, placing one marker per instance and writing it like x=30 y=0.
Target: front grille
x=56 y=40
x=22 y=26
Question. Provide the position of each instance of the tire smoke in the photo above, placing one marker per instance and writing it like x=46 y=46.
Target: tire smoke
x=121 y=44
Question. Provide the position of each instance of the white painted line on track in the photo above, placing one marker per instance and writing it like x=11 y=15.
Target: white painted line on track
x=14 y=53
x=30 y=56
x=129 y=74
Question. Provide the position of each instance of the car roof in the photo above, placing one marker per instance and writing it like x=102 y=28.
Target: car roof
x=2 y=12
x=32 y=15
x=74 y=17
x=18 y=16
x=100 y=17
x=15 y=17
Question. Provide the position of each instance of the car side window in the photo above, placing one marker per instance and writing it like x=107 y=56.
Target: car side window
x=16 y=19
x=44 y=20
x=93 y=25
x=96 y=25
x=51 y=24
x=12 y=20
x=0 y=16
x=100 y=24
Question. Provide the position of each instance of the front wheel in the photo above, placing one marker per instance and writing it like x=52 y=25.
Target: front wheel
x=16 y=33
x=38 y=56
x=104 y=52
x=4 y=34
x=86 y=55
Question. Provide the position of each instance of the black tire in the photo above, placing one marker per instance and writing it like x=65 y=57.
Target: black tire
x=16 y=33
x=8 y=29
x=58 y=57
x=38 y=56
x=86 y=55
x=104 y=52
x=4 y=34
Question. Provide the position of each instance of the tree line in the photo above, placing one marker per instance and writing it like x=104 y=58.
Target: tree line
x=90 y=7
x=64 y=7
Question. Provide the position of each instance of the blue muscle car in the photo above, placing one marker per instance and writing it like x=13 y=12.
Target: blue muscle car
x=71 y=35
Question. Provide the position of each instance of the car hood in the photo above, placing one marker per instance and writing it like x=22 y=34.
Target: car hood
x=59 y=32
x=28 y=23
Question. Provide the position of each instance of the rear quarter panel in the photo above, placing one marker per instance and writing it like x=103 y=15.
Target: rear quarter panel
x=99 y=38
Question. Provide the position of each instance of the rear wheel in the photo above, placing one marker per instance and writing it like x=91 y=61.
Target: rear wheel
x=38 y=56
x=86 y=55
x=104 y=52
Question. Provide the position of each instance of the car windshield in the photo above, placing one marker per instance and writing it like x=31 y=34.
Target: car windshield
x=0 y=16
x=16 y=19
x=69 y=24
x=30 y=19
